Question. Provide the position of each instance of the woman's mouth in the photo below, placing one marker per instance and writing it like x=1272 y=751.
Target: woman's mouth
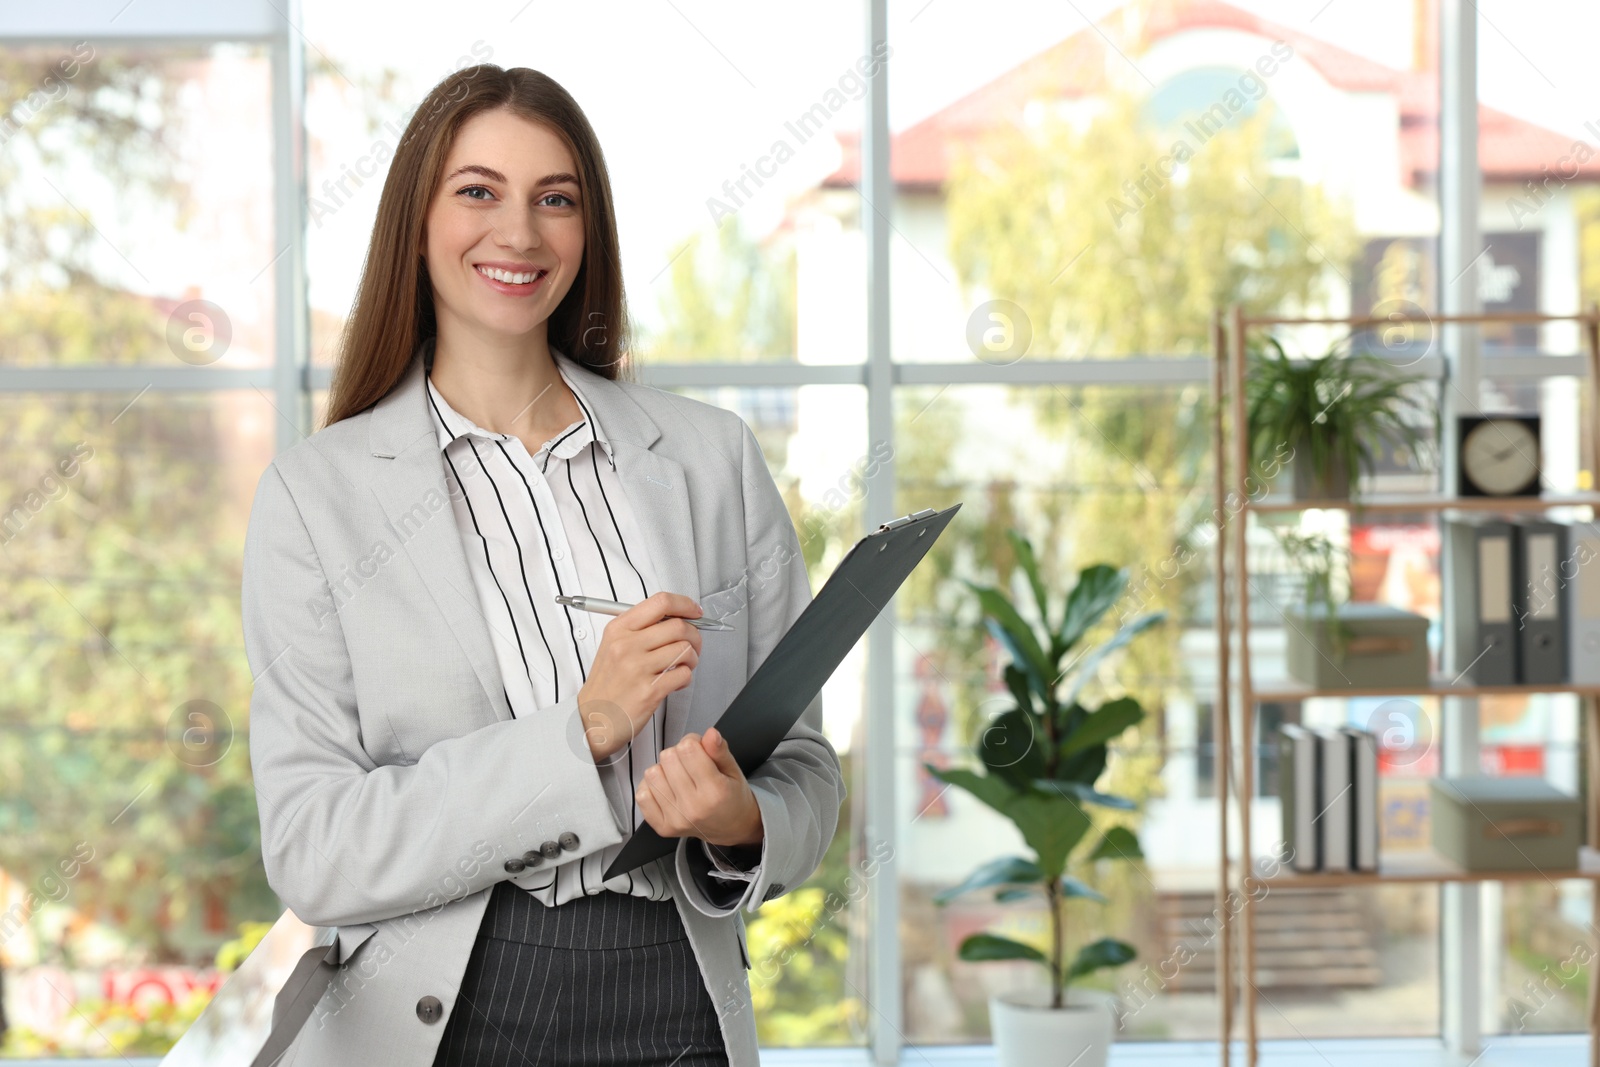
x=514 y=283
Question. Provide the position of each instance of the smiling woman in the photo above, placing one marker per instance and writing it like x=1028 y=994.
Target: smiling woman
x=456 y=713
x=490 y=237
x=500 y=170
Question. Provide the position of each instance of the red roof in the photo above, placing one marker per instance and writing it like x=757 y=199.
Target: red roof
x=1509 y=149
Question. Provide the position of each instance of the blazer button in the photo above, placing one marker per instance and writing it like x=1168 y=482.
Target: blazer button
x=532 y=858
x=550 y=849
x=569 y=842
x=429 y=1010
x=514 y=865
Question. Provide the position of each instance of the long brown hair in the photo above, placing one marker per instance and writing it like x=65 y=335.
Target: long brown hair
x=393 y=310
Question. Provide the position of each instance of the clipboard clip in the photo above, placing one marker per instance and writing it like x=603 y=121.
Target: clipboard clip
x=905 y=519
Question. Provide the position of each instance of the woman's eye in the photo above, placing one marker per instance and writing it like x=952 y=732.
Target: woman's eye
x=469 y=190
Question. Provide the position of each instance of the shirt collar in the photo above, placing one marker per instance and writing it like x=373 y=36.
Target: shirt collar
x=450 y=424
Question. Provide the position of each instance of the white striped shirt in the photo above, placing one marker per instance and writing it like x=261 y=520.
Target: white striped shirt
x=557 y=522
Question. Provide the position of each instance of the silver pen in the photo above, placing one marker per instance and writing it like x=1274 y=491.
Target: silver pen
x=613 y=607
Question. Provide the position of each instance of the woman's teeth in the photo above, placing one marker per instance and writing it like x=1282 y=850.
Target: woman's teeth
x=506 y=276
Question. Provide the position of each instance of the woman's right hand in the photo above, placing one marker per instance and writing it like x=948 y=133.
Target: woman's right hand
x=645 y=653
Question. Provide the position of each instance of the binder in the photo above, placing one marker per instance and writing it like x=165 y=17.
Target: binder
x=782 y=687
x=1297 y=792
x=1364 y=799
x=1541 y=622
x=1333 y=799
x=1482 y=562
x=1580 y=575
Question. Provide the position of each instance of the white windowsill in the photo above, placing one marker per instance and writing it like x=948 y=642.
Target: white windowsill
x=1555 y=1050
x=1558 y=1050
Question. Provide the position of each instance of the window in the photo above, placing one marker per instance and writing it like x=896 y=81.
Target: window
x=1067 y=206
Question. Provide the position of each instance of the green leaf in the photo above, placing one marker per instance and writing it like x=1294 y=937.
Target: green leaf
x=1071 y=887
x=1024 y=652
x=1016 y=892
x=981 y=947
x=1098 y=588
x=1113 y=717
x=1030 y=567
x=1015 y=636
x=1083 y=793
x=1084 y=671
x=1118 y=843
x=1013 y=747
x=1084 y=767
x=1071 y=717
x=1017 y=682
x=1051 y=825
x=993 y=791
x=995 y=872
x=1098 y=955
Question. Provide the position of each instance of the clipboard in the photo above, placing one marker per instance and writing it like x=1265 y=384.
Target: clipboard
x=781 y=689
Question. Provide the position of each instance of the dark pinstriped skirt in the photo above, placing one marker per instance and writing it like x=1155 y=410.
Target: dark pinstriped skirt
x=606 y=979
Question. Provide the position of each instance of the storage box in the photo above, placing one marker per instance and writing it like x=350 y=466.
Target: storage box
x=1385 y=648
x=1505 y=824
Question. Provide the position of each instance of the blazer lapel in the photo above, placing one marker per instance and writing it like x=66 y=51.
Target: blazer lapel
x=658 y=493
x=660 y=501
x=415 y=498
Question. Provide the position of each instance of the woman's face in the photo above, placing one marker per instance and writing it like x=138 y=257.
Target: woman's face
x=509 y=203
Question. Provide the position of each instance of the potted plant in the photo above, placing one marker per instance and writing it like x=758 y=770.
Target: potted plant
x=1333 y=411
x=1313 y=557
x=1043 y=757
x=1333 y=643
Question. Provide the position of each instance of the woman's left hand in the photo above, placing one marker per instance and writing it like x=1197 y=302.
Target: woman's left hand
x=698 y=790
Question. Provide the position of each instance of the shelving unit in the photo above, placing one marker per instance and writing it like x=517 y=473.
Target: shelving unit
x=1232 y=465
x=1394 y=502
x=1422 y=866
x=1281 y=689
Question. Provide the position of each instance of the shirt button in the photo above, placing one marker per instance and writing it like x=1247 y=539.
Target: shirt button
x=558 y=554
x=580 y=634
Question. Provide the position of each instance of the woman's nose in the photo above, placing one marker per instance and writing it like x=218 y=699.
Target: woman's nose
x=519 y=228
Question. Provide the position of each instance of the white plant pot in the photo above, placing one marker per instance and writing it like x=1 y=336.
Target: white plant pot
x=1029 y=1033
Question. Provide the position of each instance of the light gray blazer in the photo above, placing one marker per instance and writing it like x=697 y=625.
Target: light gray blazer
x=393 y=782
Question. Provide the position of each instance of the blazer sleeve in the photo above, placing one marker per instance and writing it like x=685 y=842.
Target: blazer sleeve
x=345 y=840
x=800 y=788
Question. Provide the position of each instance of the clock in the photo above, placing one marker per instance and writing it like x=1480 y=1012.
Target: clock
x=1499 y=455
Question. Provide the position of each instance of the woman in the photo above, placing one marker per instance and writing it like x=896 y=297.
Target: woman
x=446 y=760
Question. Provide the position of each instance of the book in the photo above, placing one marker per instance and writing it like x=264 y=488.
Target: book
x=1334 y=802
x=1297 y=790
x=1364 y=799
